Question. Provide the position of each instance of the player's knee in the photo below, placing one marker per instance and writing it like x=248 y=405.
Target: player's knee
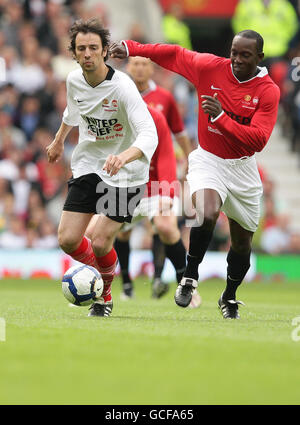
x=168 y=234
x=167 y=229
x=208 y=216
x=209 y=219
x=124 y=236
x=242 y=247
x=68 y=242
x=100 y=244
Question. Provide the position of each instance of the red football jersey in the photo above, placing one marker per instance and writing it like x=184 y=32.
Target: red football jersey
x=250 y=107
x=159 y=98
x=163 y=162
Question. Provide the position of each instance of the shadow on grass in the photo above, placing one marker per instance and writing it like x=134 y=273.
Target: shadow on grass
x=158 y=319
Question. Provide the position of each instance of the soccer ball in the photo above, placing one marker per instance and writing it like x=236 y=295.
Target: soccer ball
x=82 y=285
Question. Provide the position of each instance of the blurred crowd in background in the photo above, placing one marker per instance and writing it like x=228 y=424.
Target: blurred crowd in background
x=35 y=60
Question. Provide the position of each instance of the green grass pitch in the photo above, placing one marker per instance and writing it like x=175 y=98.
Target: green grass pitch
x=149 y=351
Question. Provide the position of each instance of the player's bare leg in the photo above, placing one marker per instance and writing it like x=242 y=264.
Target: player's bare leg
x=103 y=235
x=121 y=246
x=207 y=203
x=91 y=226
x=72 y=239
x=238 y=260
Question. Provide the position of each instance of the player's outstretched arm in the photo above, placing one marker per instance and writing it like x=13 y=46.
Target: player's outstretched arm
x=170 y=56
x=56 y=148
x=114 y=163
x=117 y=51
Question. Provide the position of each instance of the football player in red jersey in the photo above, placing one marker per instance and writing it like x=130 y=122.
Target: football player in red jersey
x=239 y=104
x=141 y=70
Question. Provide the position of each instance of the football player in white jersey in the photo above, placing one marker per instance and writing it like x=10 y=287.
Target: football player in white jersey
x=110 y=164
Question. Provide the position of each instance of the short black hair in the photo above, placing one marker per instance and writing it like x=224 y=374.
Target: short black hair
x=254 y=36
x=92 y=25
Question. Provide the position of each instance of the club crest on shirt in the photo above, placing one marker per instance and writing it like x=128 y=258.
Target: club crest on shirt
x=246 y=102
x=110 y=106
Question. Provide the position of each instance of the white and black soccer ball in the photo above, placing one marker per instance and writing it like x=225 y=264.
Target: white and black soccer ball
x=82 y=285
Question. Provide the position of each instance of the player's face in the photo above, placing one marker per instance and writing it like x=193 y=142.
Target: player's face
x=140 y=69
x=89 y=51
x=244 y=57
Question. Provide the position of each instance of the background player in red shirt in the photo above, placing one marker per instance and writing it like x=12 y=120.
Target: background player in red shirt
x=141 y=70
x=159 y=205
x=239 y=110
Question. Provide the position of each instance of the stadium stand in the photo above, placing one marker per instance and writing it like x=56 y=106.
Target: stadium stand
x=33 y=45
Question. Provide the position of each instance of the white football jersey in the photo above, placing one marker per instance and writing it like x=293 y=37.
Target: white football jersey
x=111 y=117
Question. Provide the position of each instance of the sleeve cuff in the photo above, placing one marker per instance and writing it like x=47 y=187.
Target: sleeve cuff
x=126 y=47
x=69 y=122
x=146 y=155
x=215 y=119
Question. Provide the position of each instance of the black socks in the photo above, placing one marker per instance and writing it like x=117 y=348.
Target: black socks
x=177 y=255
x=159 y=255
x=199 y=242
x=122 y=248
x=238 y=265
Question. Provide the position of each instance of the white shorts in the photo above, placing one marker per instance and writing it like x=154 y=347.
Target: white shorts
x=150 y=207
x=236 y=180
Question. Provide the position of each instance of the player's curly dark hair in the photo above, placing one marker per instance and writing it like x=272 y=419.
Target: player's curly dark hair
x=92 y=25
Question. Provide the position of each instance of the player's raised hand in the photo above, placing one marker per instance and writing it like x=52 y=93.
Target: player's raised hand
x=55 y=151
x=211 y=105
x=117 y=51
x=113 y=164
